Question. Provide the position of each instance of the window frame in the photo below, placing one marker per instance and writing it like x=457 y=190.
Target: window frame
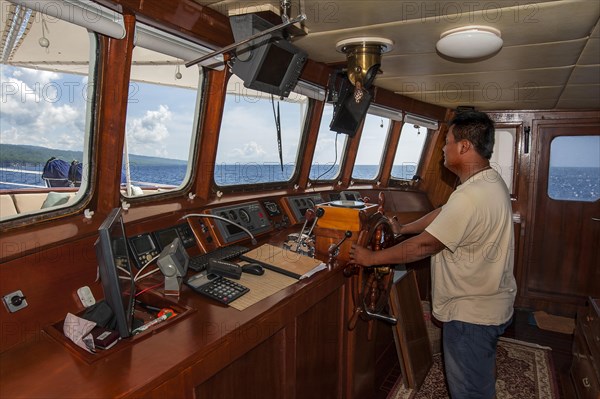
x=193 y=161
x=425 y=150
x=384 y=150
x=273 y=185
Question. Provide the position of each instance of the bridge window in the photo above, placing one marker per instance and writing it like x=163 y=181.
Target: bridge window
x=249 y=141
x=329 y=149
x=45 y=111
x=574 y=168
x=409 y=151
x=161 y=124
x=370 y=150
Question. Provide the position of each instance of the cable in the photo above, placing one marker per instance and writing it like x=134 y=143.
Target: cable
x=148 y=289
x=135 y=278
x=147 y=274
x=334 y=161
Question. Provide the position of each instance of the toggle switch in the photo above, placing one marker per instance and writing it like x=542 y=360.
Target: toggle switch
x=14 y=301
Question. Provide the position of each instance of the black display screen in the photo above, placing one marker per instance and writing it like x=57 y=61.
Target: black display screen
x=115 y=271
x=275 y=66
x=166 y=237
x=142 y=244
x=233 y=229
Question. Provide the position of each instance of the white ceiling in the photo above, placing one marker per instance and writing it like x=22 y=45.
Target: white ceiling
x=550 y=58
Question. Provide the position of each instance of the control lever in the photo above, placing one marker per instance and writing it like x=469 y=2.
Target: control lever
x=334 y=248
x=308 y=216
x=320 y=212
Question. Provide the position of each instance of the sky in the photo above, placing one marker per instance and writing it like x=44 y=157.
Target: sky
x=578 y=151
x=38 y=108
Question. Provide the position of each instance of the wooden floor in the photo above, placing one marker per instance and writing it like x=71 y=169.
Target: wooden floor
x=523 y=330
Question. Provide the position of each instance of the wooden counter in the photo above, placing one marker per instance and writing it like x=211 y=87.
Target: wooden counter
x=292 y=344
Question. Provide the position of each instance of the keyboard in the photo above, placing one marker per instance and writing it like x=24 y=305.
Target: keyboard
x=200 y=262
x=216 y=287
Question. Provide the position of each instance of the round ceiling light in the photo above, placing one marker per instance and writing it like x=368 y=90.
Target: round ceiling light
x=470 y=42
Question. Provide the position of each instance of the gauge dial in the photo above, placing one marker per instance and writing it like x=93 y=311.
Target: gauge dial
x=244 y=216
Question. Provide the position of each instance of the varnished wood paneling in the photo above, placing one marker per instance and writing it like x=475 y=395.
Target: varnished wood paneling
x=115 y=71
x=185 y=18
x=437 y=181
x=260 y=374
x=318 y=350
x=49 y=279
x=563 y=258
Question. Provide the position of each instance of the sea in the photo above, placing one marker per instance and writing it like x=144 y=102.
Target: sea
x=566 y=183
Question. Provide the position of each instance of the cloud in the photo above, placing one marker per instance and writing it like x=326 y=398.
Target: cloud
x=146 y=133
x=250 y=151
x=37 y=107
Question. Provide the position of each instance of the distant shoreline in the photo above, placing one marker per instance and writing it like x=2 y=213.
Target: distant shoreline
x=33 y=155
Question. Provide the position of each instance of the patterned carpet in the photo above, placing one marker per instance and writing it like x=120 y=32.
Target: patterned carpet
x=525 y=371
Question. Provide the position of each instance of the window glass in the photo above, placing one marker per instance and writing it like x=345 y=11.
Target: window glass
x=329 y=149
x=45 y=110
x=503 y=155
x=409 y=151
x=248 y=151
x=574 y=168
x=370 y=150
x=161 y=124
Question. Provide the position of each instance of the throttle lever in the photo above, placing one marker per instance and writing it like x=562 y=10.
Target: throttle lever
x=333 y=248
x=320 y=212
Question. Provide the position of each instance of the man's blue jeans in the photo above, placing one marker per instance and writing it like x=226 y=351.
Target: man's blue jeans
x=470 y=359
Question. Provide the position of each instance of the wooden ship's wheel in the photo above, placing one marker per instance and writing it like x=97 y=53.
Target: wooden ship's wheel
x=371 y=285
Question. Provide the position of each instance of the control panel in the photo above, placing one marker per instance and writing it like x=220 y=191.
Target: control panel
x=143 y=249
x=182 y=231
x=279 y=218
x=299 y=204
x=250 y=216
x=272 y=208
x=146 y=246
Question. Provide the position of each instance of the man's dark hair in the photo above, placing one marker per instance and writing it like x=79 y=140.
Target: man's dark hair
x=476 y=127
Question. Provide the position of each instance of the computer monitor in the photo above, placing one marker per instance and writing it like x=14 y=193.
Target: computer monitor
x=115 y=271
x=272 y=66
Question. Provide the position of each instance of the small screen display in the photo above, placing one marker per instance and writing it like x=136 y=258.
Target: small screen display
x=232 y=229
x=166 y=237
x=142 y=244
x=275 y=65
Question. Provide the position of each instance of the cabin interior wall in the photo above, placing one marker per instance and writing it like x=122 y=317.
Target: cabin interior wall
x=573 y=290
x=437 y=181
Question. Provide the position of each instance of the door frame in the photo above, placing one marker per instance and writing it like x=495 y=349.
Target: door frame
x=559 y=304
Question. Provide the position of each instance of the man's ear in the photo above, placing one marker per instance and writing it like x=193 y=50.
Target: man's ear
x=465 y=145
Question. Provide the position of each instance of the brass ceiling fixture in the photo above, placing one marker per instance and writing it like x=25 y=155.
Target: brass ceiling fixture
x=364 y=59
